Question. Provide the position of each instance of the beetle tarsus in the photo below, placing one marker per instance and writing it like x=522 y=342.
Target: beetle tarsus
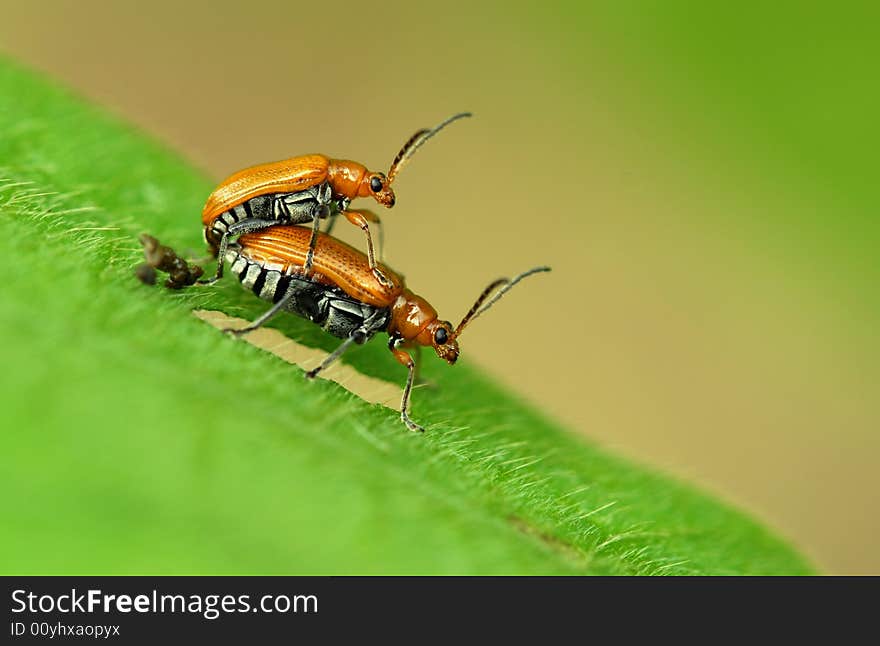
x=382 y=278
x=307 y=266
x=411 y=425
x=407 y=389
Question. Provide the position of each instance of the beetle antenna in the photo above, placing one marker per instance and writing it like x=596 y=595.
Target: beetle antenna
x=416 y=141
x=482 y=304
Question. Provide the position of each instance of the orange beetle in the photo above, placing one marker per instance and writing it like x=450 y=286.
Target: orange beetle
x=303 y=189
x=340 y=296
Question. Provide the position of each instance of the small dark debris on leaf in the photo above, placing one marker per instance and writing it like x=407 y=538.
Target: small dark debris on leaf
x=158 y=256
x=146 y=273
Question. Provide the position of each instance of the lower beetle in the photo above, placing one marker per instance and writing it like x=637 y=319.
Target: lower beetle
x=341 y=296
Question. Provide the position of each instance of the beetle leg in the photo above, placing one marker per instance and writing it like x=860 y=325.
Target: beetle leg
x=360 y=220
x=375 y=219
x=407 y=361
x=239 y=228
x=333 y=356
x=263 y=318
x=313 y=241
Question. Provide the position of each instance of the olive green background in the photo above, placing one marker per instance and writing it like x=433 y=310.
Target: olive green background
x=703 y=181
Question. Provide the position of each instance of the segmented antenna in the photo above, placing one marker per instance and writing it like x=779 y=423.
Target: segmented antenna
x=416 y=141
x=480 y=307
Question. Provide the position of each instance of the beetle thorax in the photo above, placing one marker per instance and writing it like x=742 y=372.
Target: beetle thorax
x=410 y=314
x=345 y=177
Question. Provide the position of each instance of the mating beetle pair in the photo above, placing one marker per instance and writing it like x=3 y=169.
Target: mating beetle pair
x=311 y=274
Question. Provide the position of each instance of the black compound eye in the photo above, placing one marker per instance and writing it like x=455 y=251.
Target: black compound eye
x=375 y=184
x=440 y=336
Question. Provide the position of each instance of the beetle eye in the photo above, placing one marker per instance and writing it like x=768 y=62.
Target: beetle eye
x=440 y=336
x=375 y=184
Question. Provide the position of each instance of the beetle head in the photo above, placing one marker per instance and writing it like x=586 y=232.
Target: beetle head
x=377 y=186
x=439 y=335
x=415 y=321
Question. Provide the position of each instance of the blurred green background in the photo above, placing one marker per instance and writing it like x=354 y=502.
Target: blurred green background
x=703 y=181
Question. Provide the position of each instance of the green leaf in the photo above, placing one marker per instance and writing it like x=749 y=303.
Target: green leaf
x=138 y=439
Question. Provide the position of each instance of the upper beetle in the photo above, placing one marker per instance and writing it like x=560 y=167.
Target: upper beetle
x=303 y=189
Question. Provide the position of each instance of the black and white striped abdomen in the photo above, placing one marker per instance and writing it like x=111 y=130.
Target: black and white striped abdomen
x=259 y=207
x=328 y=307
x=286 y=208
